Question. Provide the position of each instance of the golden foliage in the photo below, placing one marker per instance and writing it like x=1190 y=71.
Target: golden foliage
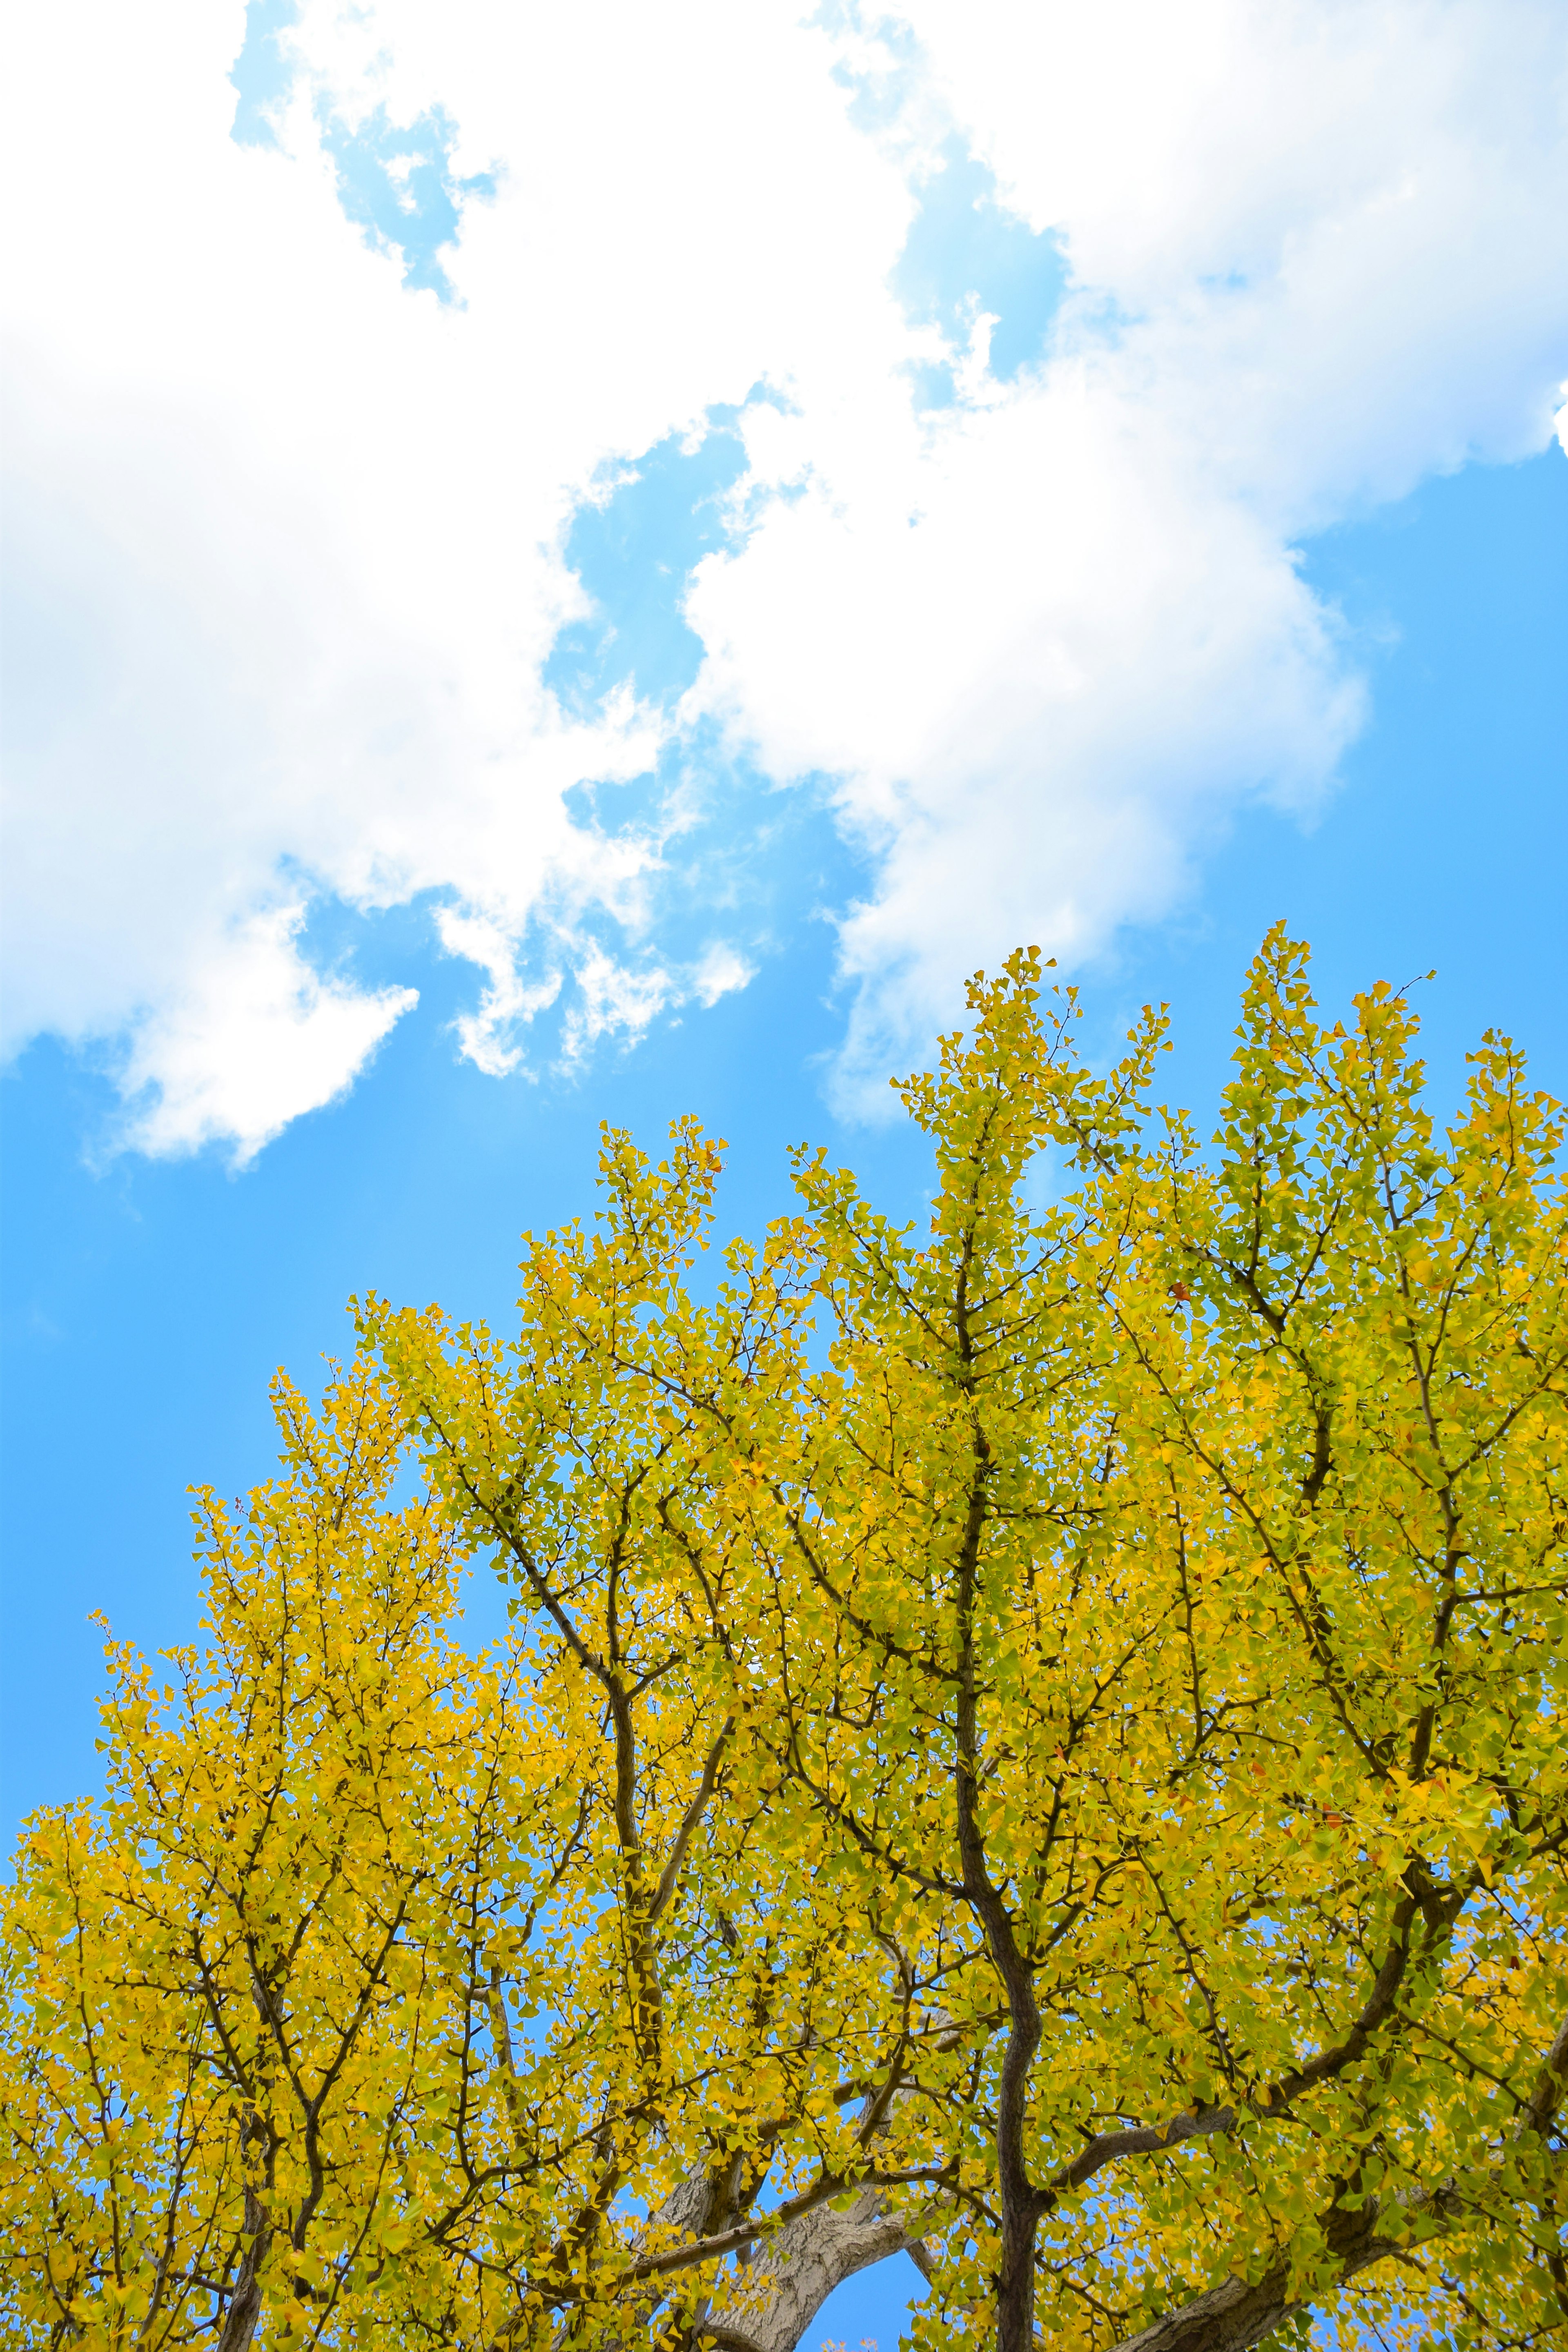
x=1054 y=1719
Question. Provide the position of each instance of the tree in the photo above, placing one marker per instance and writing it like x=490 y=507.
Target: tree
x=341 y=2016
x=1036 y=1742
x=248 y=1974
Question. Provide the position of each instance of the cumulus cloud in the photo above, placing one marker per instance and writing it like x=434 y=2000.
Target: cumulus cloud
x=722 y=970
x=255 y=1039
x=288 y=534
x=1046 y=639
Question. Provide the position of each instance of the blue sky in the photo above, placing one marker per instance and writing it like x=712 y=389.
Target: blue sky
x=546 y=589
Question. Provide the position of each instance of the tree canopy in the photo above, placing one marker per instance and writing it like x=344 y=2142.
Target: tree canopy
x=1032 y=1738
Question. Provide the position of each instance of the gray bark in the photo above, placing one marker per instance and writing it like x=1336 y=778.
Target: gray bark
x=772 y=2308
x=1236 y=2315
x=790 y=2278
x=1229 y=2318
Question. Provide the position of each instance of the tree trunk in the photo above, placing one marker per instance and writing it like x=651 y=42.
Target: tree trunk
x=245 y=2304
x=1229 y=2318
x=789 y=2280
x=772 y=2308
x=1234 y=2314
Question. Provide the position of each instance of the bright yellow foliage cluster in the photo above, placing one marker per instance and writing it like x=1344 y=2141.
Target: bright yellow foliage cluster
x=1046 y=1728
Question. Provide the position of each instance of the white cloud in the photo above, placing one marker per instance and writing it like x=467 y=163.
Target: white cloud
x=622 y=1001
x=489 y=1034
x=720 y=972
x=289 y=537
x=614 y=1001
x=1319 y=252
x=1037 y=694
x=256 y=1040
